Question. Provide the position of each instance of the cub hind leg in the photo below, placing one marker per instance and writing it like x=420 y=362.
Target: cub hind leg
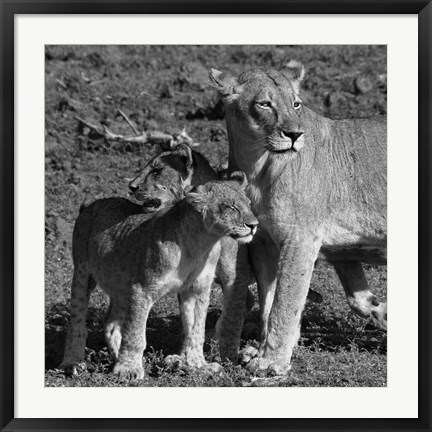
x=82 y=286
x=361 y=300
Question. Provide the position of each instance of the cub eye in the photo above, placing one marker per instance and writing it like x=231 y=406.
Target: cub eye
x=229 y=207
x=264 y=104
x=297 y=104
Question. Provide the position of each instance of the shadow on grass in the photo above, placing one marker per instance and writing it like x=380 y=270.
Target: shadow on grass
x=164 y=333
x=328 y=330
x=333 y=331
x=322 y=330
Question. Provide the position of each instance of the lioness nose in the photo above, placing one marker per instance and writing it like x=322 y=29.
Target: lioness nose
x=133 y=187
x=292 y=135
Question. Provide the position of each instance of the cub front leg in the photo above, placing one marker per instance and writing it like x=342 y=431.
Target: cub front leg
x=195 y=301
x=297 y=258
x=133 y=340
x=193 y=310
x=235 y=282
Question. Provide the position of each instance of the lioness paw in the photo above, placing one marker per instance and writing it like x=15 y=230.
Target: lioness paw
x=379 y=316
x=128 y=372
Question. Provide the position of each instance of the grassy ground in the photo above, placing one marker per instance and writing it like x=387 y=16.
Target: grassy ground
x=165 y=88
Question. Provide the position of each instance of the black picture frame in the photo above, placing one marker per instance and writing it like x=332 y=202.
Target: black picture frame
x=9 y=8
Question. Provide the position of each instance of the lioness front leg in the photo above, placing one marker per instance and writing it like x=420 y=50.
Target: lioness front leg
x=133 y=342
x=296 y=264
x=361 y=300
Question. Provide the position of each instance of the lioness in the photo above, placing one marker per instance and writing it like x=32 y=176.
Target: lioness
x=158 y=185
x=319 y=189
x=137 y=259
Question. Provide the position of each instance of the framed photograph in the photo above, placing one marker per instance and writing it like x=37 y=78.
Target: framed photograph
x=195 y=202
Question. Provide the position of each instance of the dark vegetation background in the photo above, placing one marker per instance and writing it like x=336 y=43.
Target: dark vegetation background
x=166 y=88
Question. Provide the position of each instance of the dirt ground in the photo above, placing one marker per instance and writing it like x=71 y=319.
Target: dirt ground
x=165 y=88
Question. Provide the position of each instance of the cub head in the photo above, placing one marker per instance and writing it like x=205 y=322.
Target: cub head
x=164 y=178
x=263 y=106
x=225 y=207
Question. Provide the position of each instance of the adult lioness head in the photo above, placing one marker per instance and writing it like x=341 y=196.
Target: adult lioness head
x=266 y=105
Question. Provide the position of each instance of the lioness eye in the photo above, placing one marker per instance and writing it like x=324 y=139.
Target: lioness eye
x=264 y=104
x=297 y=104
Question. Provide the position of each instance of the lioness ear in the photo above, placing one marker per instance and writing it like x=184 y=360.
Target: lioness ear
x=295 y=72
x=226 y=84
x=240 y=178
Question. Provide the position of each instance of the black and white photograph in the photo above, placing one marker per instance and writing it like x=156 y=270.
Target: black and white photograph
x=215 y=216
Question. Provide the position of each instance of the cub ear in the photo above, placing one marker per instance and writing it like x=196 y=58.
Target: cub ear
x=222 y=171
x=240 y=178
x=187 y=188
x=185 y=151
x=226 y=84
x=198 y=197
x=295 y=72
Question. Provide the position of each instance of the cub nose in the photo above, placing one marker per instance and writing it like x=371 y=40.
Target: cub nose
x=251 y=224
x=133 y=187
x=292 y=135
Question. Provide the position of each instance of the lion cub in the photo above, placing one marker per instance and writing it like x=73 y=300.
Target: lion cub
x=138 y=258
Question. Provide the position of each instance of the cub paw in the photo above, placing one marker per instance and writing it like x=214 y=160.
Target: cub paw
x=128 y=372
x=212 y=368
x=247 y=354
x=193 y=358
x=72 y=369
x=272 y=367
